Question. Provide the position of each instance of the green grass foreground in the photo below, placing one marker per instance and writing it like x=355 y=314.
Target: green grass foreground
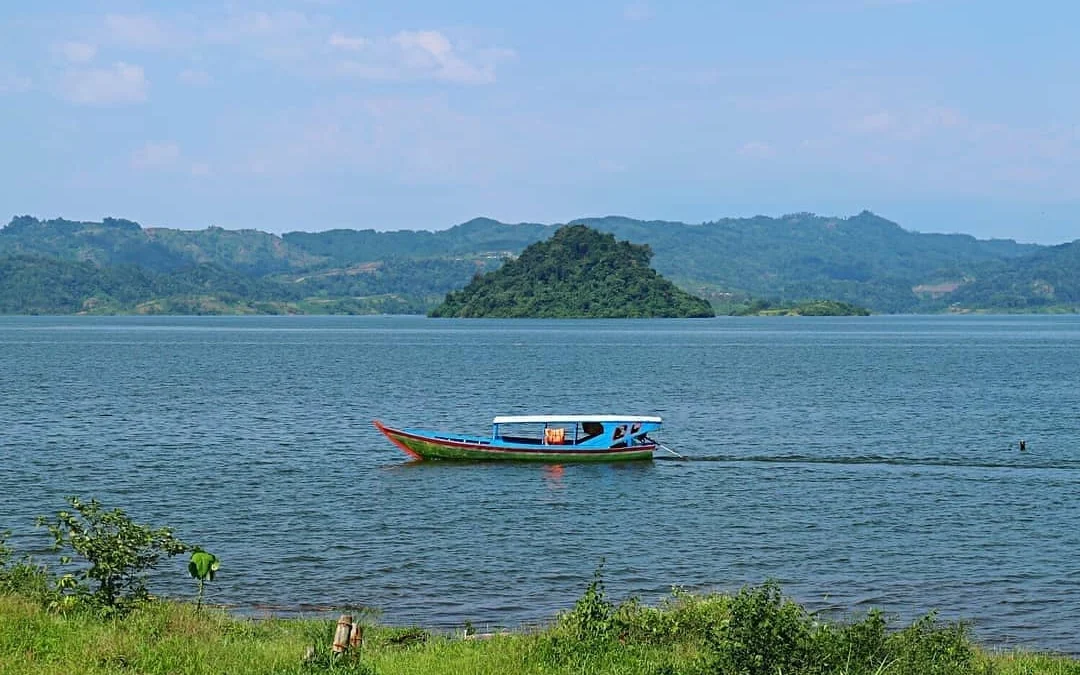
x=689 y=634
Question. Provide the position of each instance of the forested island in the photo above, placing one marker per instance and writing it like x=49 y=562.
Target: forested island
x=578 y=273
x=117 y=266
x=808 y=308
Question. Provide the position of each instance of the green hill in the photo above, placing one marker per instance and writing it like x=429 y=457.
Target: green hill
x=1047 y=280
x=864 y=260
x=579 y=272
x=115 y=266
x=807 y=308
x=34 y=285
x=120 y=242
x=475 y=237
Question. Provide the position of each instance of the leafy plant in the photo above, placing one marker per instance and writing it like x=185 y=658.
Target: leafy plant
x=586 y=631
x=853 y=648
x=119 y=551
x=681 y=618
x=764 y=634
x=6 y=552
x=927 y=647
x=591 y=620
x=24 y=577
x=202 y=567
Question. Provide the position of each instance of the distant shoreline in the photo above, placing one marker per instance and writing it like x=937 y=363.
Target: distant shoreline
x=117 y=266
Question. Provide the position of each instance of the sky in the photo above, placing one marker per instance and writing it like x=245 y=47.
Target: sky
x=942 y=115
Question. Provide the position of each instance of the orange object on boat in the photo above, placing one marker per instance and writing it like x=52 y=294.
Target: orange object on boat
x=554 y=435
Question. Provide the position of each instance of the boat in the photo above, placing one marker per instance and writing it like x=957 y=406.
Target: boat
x=540 y=438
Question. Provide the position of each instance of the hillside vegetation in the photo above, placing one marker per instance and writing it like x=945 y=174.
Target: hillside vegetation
x=62 y=266
x=865 y=259
x=807 y=308
x=1047 y=280
x=579 y=272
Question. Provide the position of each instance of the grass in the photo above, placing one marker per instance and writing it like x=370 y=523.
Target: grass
x=62 y=624
x=1020 y=663
x=754 y=632
x=161 y=637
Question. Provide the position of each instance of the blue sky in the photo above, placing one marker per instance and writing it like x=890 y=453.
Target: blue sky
x=944 y=115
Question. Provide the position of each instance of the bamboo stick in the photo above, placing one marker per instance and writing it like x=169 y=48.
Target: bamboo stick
x=342 y=634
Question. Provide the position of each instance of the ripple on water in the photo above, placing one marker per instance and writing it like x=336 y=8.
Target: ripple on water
x=862 y=462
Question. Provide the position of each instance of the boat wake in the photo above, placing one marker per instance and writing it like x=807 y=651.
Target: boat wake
x=872 y=460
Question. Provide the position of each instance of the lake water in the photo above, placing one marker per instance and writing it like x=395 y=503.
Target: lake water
x=862 y=462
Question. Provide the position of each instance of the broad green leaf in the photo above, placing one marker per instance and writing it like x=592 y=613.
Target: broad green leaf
x=203 y=565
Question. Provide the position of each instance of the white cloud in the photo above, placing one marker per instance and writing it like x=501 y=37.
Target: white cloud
x=156 y=155
x=196 y=78
x=200 y=169
x=410 y=55
x=756 y=150
x=255 y=25
x=369 y=71
x=308 y=45
x=910 y=124
x=889 y=3
x=425 y=44
x=265 y=23
x=122 y=83
x=341 y=41
x=429 y=51
x=637 y=11
x=138 y=31
x=945 y=117
x=611 y=166
x=874 y=123
x=13 y=83
x=77 y=52
x=402 y=140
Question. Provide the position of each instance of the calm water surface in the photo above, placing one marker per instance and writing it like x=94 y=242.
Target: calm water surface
x=862 y=462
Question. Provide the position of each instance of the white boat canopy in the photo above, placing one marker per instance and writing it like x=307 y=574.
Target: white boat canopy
x=572 y=419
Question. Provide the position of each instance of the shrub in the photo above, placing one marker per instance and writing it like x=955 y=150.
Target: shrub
x=929 y=648
x=584 y=631
x=24 y=577
x=591 y=619
x=854 y=648
x=764 y=634
x=119 y=551
x=681 y=618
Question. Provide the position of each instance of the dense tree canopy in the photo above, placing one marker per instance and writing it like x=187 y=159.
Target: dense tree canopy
x=1047 y=280
x=807 y=308
x=579 y=272
x=116 y=265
